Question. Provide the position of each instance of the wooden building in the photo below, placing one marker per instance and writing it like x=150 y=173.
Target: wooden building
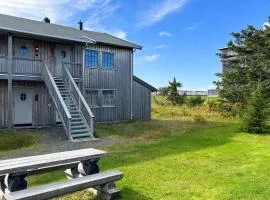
x=56 y=74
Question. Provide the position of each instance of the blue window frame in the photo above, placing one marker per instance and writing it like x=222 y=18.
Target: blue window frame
x=91 y=58
x=107 y=59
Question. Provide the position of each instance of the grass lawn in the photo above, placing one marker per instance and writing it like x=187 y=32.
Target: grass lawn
x=176 y=156
x=185 y=161
x=10 y=140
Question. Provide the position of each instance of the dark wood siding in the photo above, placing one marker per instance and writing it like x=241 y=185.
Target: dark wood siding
x=118 y=79
x=3 y=104
x=141 y=102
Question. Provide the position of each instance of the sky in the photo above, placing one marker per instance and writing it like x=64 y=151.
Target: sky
x=180 y=38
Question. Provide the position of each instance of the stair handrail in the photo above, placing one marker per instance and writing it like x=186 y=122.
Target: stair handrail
x=80 y=100
x=57 y=99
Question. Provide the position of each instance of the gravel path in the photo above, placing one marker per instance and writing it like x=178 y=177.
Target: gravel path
x=53 y=140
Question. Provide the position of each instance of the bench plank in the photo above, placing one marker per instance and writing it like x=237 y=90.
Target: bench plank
x=43 y=161
x=65 y=187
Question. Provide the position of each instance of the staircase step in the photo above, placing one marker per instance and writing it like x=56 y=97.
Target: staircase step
x=76 y=116
x=77 y=123
x=75 y=112
x=63 y=90
x=80 y=136
x=80 y=127
x=76 y=119
x=85 y=130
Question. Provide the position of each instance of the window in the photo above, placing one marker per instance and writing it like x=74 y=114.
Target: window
x=23 y=96
x=63 y=54
x=91 y=58
x=108 y=97
x=92 y=97
x=107 y=59
x=24 y=51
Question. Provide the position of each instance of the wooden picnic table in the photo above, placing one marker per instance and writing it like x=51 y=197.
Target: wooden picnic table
x=80 y=165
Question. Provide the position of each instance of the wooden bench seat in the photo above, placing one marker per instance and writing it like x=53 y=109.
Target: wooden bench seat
x=43 y=161
x=65 y=187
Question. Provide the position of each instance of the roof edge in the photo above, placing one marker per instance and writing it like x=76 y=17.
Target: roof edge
x=135 y=46
x=147 y=85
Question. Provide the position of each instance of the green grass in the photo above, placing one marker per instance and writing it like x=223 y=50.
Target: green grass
x=207 y=161
x=176 y=156
x=10 y=140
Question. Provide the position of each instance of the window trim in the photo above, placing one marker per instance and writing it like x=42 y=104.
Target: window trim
x=113 y=100
x=100 y=98
x=97 y=98
x=99 y=59
x=97 y=63
x=113 y=61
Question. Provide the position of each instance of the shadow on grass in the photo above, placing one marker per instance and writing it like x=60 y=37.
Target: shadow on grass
x=201 y=137
x=129 y=193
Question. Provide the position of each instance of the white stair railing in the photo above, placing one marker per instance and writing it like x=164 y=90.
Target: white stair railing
x=58 y=100
x=79 y=99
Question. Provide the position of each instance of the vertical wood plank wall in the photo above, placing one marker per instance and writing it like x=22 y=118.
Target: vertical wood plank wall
x=141 y=102
x=118 y=79
x=3 y=103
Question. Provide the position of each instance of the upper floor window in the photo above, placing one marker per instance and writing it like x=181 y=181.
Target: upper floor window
x=24 y=51
x=91 y=58
x=107 y=59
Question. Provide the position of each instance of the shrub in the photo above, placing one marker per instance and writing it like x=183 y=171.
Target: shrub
x=199 y=119
x=255 y=118
x=226 y=108
x=195 y=101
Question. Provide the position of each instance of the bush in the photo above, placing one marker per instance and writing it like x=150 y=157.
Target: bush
x=195 y=101
x=226 y=108
x=255 y=118
x=199 y=119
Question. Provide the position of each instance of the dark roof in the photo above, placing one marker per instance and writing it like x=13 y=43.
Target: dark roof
x=140 y=81
x=48 y=30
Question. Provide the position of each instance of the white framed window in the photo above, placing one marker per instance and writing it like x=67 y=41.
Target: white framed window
x=92 y=97
x=108 y=98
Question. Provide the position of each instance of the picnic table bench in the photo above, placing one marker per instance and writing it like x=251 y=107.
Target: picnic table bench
x=80 y=167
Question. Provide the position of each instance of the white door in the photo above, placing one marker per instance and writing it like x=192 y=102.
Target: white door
x=62 y=55
x=23 y=105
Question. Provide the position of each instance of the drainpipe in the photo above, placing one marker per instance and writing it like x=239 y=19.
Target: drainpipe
x=10 y=101
x=131 y=85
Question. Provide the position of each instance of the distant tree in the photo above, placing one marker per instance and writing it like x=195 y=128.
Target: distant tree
x=163 y=91
x=174 y=96
x=249 y=64
x=256 y=115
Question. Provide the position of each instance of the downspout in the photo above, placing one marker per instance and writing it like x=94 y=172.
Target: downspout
x=131 y=86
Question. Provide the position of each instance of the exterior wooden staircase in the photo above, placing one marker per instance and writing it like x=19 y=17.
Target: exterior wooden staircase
x=76 y=116
x=79 y=128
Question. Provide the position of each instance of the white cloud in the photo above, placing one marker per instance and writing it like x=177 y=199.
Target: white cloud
x=120 y=34
x=56 y=10
x=193 y=26
x=162 y=46
x=62 y=11
x=164 y=34
x=160 y=10
x=151 y=58
x=100 y=13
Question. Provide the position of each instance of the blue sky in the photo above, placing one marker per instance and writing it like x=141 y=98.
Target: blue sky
x=180 y=37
